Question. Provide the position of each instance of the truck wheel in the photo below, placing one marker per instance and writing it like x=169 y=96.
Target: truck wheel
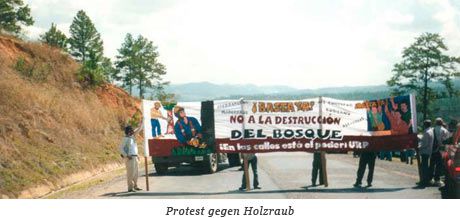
x=161 y=169
x=212 y=164
x=234 y=159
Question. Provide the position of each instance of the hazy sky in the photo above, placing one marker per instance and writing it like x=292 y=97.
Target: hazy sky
x=304 y=44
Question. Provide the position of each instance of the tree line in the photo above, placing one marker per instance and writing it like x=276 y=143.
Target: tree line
x=136 y=64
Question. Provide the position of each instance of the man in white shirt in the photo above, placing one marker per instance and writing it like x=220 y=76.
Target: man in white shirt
x=128 y=150
x=425 y=149
x=436 y=165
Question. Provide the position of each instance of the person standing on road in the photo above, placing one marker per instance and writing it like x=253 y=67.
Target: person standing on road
x=436 y=165
x=317 y=168
x=425 y=149
x=252 y=160
x=366 y=158
x=128 y=150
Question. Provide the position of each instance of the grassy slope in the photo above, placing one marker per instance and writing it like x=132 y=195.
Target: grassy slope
x=50 y=126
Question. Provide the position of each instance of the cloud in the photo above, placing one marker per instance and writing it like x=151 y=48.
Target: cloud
x=449 y=17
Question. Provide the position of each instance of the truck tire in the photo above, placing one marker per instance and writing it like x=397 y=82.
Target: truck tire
x=211 y=165
x=161 y=169
x=234 y=159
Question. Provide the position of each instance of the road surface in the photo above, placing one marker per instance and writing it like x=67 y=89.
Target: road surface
x=281 y=175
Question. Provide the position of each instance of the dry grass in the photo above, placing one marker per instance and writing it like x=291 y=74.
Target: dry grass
x=50 y=128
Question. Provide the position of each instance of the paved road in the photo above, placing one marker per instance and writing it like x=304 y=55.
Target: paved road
x=282 y=175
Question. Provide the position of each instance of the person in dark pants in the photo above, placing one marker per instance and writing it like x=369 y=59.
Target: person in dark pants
x=366 y=158
x=436 y=164
x=252 y=161
x=317 y=168
x=425 y=150
x=436 y=168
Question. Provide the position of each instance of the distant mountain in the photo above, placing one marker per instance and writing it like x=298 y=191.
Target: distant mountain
x=345 y=89
x=345 y=93
x=200 y=91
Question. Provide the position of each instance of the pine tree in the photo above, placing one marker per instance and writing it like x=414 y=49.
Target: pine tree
x=425 y=62
x=86 y=46
x=110 y=73
x=138 y=60
x=13 y=14
x=125 y=64
x=148 y=68
x=55 y=38
x=85 y=42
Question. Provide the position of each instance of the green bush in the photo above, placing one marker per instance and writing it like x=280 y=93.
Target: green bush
x=35 y=71
x=91 y=76
x=135 y=120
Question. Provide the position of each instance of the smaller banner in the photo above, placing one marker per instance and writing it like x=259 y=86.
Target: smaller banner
x=173 y=129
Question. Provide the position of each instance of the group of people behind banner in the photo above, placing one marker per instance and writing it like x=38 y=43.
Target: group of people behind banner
x=431 y=144
x=430 y=147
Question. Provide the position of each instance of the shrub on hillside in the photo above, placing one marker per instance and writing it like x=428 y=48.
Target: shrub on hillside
x=135 y=120
x=34 y=71
x=91 y=76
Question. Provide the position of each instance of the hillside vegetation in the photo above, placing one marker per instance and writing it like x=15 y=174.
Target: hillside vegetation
x=50 y=126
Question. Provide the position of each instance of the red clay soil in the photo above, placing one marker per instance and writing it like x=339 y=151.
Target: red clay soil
x=53 y=127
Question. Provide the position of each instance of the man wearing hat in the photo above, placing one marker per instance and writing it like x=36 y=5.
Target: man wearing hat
x=436 y=165
x=128 y=151
x=187 y=129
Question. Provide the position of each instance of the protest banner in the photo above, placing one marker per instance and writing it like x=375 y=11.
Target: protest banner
x=253 y=126
x=316 y=124
x=257 y=126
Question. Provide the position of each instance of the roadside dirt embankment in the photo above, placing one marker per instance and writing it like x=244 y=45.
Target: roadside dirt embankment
x=53 y=131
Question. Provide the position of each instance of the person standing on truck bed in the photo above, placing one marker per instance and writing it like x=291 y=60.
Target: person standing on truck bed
x=187 y=129
x=128 y=150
